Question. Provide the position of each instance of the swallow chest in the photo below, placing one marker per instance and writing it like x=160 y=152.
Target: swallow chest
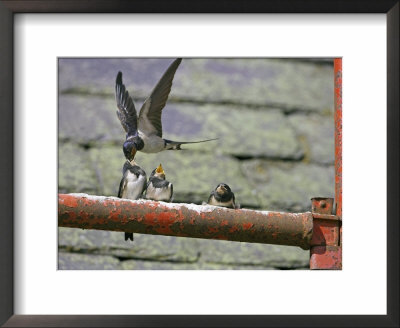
x=215 y=202
x=152 y=143
x=160 y=194
x=134 y=185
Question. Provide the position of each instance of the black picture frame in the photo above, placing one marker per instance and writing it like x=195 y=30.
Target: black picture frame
x=7 y=10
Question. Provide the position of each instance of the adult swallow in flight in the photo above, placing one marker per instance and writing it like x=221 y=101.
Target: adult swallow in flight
x=223 y=196
x=158 y=188
x=144 y=133
x=132 y=185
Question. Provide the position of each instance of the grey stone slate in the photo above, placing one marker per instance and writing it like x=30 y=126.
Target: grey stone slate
x=139 y=74
x=85 y=119
x=72 y=261
x=146 y=265
x=163 y=252
x=111 y=243
x=259 y=81
x=252 y=255
x=318 y=135
x=265 y=82
x=289 y=186
x=108 y=162
x=241 y=132
x=75 y=173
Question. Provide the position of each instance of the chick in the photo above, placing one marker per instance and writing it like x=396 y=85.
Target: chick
x=223 y=196
x=132 y=185
x=158 y=188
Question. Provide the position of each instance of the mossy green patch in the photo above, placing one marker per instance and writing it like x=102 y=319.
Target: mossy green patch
x=289 y=186
x=107 y=161
x=249 y=254
x=163 y=252
x=150 y=265
x=241 y=132
x=71 y=261
x=75 y=173
x=319 y=136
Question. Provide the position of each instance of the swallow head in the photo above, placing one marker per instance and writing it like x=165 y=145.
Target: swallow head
x=159 y=172
x=139 y=144
x=223 y=189
x=131 y=146
x=130 y=150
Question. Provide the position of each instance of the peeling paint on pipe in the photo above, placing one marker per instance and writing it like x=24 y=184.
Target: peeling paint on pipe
x=184 y=220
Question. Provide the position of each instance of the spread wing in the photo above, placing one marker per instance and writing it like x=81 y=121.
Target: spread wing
x=122 y=186
x=209 y=197
x=159 y=183
x=150 y=113
x=126 y=109
x=172 y=192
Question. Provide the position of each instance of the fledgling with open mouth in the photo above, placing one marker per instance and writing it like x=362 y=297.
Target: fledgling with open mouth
x=158 y=188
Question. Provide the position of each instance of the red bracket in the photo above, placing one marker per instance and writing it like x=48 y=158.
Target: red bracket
x=326 y=251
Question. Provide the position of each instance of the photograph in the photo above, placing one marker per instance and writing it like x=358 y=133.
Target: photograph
x=240 y=149
x=175 y=164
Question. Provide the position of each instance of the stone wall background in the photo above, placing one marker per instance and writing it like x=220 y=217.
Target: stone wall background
x=274 y=121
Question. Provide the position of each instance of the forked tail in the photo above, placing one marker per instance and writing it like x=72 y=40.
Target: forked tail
x=176 y=145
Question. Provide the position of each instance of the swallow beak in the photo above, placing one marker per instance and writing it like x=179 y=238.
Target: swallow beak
x=160 y=170
x=133 y=153
x=129 y=149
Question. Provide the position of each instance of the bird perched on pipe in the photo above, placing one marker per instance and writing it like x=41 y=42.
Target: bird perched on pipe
x=223 y=196
x=132 y=185
x=144 y=133
x=158 y=188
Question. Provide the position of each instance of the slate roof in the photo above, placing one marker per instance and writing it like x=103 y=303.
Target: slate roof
x=274 y=121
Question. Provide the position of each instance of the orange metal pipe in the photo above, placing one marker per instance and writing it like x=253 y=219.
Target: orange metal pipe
x=184 y=220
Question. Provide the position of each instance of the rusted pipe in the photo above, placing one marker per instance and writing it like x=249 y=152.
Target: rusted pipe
x=184 y=220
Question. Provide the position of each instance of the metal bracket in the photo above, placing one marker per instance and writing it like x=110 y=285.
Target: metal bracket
x=326 y=251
